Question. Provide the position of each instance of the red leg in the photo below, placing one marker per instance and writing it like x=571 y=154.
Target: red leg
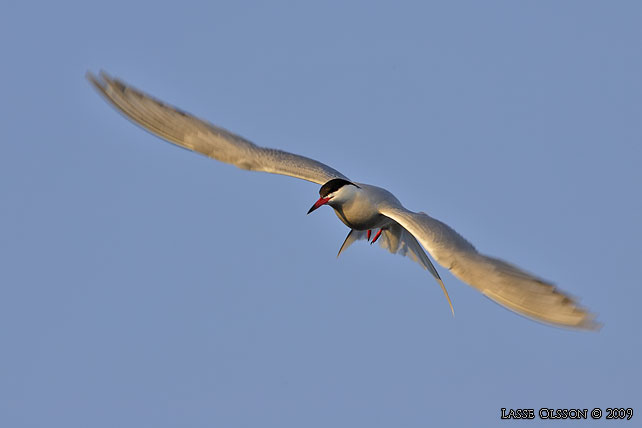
x=376 y=236
x=369 y=232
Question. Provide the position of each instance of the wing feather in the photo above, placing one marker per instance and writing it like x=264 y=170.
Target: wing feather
x=192 y=133
x=502 y=282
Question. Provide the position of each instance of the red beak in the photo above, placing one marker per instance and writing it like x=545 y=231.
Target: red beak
x=317 y=204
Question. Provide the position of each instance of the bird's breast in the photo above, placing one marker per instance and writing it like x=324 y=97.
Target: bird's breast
x=360 y=213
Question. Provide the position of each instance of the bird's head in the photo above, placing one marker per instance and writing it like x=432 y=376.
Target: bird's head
x=334 y=192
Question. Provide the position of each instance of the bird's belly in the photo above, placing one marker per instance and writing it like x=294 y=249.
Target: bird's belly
x=361 y=220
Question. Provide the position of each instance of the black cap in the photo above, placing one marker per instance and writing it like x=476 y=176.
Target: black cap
x=334 y=185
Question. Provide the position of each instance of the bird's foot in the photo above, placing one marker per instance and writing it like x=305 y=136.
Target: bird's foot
x=376 y=236
x=368 y=235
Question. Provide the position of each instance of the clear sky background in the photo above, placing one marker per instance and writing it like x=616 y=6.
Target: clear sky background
x=146 y=286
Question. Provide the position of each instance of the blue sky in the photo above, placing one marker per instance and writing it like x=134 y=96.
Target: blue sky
x=144 y=285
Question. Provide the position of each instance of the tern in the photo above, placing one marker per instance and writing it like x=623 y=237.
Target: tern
x=362 y=207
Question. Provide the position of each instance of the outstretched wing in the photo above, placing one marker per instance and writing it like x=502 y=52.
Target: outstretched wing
x=398 y=240
x=195 y=134
x=500 y=281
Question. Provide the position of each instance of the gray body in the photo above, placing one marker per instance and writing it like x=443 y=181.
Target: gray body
x=358 y=211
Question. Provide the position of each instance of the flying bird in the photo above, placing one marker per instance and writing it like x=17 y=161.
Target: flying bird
x=371 y=213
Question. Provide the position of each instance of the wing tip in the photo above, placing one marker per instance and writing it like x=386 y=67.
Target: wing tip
x=588 y=323
x=94 y=80
x=443 y=288
x=102 y=82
